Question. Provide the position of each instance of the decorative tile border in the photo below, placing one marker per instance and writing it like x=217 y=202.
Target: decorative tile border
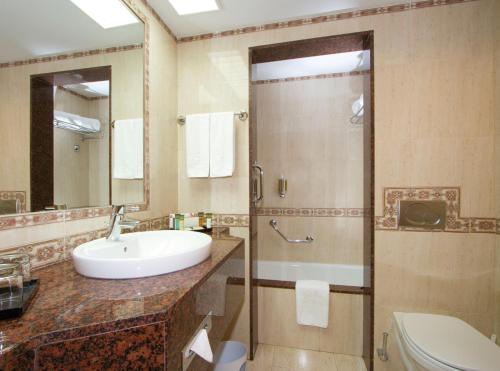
x=450 y=195
x=312 y=77
x=158 y=18
x=54 y=251
x=313 y=212
x=80 y=54
x=231 y=220
x=15 y=195
x=46 y=217
x=325 y=18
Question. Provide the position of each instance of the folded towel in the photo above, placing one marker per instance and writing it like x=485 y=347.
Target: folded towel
x=128 y=142
x=222 y=144
x=312 y=301
x=197 y=145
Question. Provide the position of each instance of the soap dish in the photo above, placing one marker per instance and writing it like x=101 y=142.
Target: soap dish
x=30 y=288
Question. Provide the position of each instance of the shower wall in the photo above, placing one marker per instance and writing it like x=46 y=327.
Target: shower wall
x=305 y=135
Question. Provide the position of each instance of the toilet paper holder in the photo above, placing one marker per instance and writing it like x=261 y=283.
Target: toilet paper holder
x=187 y=354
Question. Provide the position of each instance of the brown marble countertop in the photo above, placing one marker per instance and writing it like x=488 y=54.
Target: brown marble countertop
x=69 y=305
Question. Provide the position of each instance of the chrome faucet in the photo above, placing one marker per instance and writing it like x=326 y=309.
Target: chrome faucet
x=117 y=221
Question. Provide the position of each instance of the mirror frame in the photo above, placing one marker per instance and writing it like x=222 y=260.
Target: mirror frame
x=29 y=219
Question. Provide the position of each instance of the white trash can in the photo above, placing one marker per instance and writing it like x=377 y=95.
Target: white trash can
x=231 y=356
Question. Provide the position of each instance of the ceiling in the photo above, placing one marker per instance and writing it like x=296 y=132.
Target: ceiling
x=35 y=28
x=242 y=13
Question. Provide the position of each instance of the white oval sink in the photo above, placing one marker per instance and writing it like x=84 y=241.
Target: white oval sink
x=141 y=254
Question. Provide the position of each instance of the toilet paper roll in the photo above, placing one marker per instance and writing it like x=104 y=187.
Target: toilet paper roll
x=201 y=346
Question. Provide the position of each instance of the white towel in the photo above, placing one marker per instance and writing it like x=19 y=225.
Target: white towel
x=312 y=301
x=128 y=142
x=222 y=144
x=197 y=145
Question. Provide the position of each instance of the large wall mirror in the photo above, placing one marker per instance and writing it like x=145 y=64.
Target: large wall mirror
x=71 y=106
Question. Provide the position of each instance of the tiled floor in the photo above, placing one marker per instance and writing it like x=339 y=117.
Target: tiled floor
x=275 y=358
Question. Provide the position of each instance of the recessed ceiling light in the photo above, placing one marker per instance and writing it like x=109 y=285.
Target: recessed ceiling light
x=107 y=13
x=183 y=7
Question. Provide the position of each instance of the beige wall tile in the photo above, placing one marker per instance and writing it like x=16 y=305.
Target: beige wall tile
x=336 y=240
x=278 y=324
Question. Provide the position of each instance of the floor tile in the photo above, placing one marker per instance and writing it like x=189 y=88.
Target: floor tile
x=277 y=358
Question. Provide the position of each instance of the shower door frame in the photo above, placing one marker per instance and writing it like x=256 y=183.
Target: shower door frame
x=296 y=49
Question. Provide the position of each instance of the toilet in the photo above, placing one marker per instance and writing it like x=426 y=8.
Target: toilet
x=434 y=342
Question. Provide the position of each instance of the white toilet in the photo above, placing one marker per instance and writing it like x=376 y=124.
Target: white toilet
x=433 y=342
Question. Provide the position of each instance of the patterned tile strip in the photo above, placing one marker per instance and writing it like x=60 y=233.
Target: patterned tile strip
x=231 y=220
x=313 y=212
x=325 y=18
x=451 y=195
x=15 y=195
x=61 y=57
x=158 y=18
x=311 y=77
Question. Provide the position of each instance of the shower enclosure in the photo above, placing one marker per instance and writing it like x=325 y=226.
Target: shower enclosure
x=311 y=157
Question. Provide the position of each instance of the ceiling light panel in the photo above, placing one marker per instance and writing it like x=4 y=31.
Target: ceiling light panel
x=184 y=7
x=107 y=13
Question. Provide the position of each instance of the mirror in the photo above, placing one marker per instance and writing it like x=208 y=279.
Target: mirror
x=71 y=107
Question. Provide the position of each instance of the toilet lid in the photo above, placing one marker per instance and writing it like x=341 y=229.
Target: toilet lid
x=451 y=341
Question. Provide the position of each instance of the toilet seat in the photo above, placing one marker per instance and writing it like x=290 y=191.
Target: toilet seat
x=447 y=343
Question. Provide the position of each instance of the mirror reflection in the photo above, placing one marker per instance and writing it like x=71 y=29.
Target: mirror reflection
x=71 y=108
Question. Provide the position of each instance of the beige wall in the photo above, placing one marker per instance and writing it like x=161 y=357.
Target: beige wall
x=70 y=167
x=278 y=323
x=91 y=162
x=98 y=152
x=434 y=101
x=162 y=142
x=497 y=171
x=304 y=134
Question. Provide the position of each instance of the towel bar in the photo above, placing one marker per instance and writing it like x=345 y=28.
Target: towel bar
x=242 y=115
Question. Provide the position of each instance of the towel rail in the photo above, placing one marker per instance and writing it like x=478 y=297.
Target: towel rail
x=242 y=115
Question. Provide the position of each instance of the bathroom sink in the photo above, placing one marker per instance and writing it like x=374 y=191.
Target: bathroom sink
x=141 y=254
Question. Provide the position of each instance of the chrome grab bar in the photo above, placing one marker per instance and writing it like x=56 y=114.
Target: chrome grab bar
x=273 y=223
x=260 y=196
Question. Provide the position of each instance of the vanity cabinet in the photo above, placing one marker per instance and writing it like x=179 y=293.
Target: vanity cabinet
x=89 y=324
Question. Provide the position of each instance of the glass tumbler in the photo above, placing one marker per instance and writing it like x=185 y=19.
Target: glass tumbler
x=11 y=286
x=19 y=258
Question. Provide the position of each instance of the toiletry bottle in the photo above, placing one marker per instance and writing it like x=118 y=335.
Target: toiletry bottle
x=176 y=222
x=209 y=220
x=171 y=221
x=181 y=222
x=201 y=216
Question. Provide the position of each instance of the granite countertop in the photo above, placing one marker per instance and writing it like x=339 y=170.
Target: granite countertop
x=69 y=305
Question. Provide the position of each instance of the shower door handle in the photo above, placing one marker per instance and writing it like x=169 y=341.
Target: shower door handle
x=258 y=195
x=274 y=224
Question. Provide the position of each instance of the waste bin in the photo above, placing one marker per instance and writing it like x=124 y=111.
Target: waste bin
x=231 y=356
